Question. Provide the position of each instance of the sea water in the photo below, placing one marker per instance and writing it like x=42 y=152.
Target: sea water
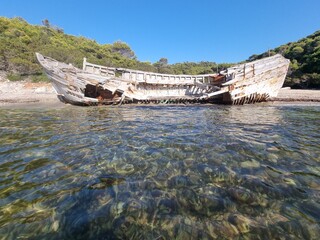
x=160 y=172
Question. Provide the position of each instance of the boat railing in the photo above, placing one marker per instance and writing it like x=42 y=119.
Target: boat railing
x=148 y=77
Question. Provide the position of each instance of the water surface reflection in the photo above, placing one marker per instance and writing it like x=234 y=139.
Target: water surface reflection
x=160 y=172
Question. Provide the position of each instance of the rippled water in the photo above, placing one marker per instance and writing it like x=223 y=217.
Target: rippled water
x=160 y=172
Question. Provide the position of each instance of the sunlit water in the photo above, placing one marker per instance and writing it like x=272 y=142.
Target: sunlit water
x=160 y=172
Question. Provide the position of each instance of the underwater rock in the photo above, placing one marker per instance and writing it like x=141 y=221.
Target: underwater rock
x=250 y=164
x=311 y=208
x=116 y=209
x=188 y=200
x=179 y=181
x=241 y=222
x=246 y=196
x=205 y=169
x=110 y=180
x=107 y=181
x=311 y=231
x=141 y=185
x=156 y=193
x=273 y=157
x=188 y=229
x=55 y=225
x=216 y=174
x=104 y=198
x=224 y=228
x=210 y=204
x=126 y=168
x=289 y=181
x=167 y=206
x=262 y=187
x=98 y=186
x=167 y=225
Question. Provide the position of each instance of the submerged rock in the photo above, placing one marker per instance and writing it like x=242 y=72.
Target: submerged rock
x=111 y=180
x=243 y=195
x=107 y=181
x=241 y=222
x=250 y=164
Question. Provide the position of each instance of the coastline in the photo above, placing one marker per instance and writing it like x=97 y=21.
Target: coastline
x=28 y=93
x=297 y=95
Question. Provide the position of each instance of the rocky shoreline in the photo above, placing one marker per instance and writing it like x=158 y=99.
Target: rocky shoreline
x=26 y=92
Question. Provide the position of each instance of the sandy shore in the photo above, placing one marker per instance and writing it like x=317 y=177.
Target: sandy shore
x=297 y=95
x=13 y=93
x=26 y=92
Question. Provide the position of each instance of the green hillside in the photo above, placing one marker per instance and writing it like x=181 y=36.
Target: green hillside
x=305 y=61
x=19 y=41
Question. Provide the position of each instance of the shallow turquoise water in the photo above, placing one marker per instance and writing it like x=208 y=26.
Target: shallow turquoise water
x=160 y=172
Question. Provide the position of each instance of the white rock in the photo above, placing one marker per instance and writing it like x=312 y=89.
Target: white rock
x=40 y=90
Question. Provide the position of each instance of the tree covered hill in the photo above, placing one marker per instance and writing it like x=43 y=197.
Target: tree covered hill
x=304 y=55
x=19 y=41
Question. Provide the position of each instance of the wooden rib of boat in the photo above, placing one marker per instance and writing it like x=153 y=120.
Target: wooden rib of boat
x=94 y=84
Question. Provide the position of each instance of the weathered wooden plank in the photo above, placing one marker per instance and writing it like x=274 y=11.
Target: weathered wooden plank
x=243 y=83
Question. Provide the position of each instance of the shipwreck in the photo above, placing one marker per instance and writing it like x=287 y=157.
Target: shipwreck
x=251 y=82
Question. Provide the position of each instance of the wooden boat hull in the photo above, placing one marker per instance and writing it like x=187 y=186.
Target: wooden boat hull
x=94 y=84
x=258 y=81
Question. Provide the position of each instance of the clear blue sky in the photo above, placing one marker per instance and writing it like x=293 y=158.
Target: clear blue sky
x=199 y=30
